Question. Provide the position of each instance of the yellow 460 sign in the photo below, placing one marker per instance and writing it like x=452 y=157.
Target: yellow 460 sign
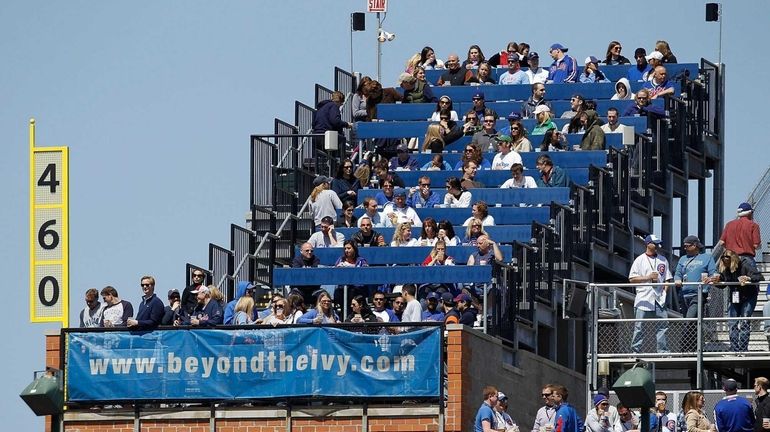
x=49 y=233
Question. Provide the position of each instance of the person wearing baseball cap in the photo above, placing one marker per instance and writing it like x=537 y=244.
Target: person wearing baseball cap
x=741 y=235
x=535 y=73
x=733 y=413
x=514 y=74
x=544 y=117
x=503 y=421
x=207 y=313
x=694 y=266
x=432 y=312
x=641 y=68
x=465 y=307
x=650 y=301
x=564 y=68
x=451 y=314
x=480 y=106
x=505 y=157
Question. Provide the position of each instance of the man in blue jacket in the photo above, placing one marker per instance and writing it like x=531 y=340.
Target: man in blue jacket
x=151 y=308
x=733 y=413
x=564 y=68
x=567 y=419
x=328 y=118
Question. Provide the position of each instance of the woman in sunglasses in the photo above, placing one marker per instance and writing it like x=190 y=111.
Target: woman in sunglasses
x=742 y=298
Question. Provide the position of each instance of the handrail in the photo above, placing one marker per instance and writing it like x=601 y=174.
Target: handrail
x=261 y=244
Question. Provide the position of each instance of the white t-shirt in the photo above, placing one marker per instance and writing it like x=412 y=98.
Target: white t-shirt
x=539 y=76
x=528 y=182
x=504 y=162
x=646 y=295
x=413 y=311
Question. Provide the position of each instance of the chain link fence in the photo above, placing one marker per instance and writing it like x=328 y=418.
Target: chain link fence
x=675 y=399
x=760 y=200
x=719 y=333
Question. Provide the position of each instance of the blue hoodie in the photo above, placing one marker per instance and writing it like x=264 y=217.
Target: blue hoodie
x=567 y=419
x=240 y=291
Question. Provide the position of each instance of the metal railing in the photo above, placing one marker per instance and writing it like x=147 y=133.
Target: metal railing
x=709 y=333
x=222 y=265
x=242 y=242
x=322 y=93
x=188 y=271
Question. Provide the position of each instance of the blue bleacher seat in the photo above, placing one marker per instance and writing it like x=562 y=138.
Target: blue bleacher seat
x=381 y=275
x=408 y=129
x=416 y=112
x=490 y=178
x=613 y=73
x=499 y=233
x=505 y=197
x=511 y=215
x=568 y=159
x=520 y=92
x=403 y=255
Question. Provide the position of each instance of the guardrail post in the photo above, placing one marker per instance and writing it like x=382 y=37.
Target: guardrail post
x=699 y=344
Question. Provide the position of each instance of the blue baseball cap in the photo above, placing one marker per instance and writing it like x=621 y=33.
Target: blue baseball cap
x=558 y=46
x=652 y=238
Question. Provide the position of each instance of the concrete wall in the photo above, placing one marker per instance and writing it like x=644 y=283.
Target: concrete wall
x=474 y=360
x=486 y=361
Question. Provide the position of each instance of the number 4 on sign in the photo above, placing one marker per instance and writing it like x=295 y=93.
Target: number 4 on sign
x=48 y=178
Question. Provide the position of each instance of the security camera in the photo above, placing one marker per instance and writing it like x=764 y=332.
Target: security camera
x=385 y=36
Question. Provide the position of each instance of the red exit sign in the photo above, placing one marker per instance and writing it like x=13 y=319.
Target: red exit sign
x=376 y=5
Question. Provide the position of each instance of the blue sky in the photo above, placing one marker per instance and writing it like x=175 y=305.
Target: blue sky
x=157 y=100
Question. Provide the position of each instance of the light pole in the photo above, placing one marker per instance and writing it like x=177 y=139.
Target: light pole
x=382 y=36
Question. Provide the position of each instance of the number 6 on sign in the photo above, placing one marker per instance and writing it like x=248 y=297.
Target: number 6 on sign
x=49 y=233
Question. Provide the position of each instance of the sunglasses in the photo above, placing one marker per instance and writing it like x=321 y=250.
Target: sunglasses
x=489 y=121
x=146 y=285
x=425 y=184
x=379 y=299
x=546 y=394
x=468 y=150
x=515 y=128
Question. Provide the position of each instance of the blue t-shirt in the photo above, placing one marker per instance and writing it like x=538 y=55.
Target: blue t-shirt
x=485 y=413
x=689 y=269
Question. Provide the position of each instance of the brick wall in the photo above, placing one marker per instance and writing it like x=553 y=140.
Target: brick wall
x=474 y=360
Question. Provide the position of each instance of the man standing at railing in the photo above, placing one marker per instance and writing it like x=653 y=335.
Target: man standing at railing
x=741 y=235
x=694 y=267
x=650 y=301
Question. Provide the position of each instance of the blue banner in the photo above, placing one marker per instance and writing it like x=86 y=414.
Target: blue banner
x=253 y=363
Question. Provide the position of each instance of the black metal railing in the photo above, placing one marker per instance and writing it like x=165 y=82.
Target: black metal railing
x=222 y=265
x=188 y=271
x=707 y=96
x=505 y=313
x=322 y=93
x=346 y=83
x=242 y=242
x=548 y=261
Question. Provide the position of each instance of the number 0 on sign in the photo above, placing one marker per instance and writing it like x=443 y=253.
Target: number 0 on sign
x=49 y=234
